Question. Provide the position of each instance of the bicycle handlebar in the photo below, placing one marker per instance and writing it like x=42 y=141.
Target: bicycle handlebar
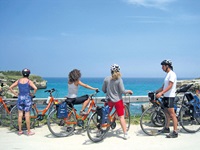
x=96 y=91
x=50 y=91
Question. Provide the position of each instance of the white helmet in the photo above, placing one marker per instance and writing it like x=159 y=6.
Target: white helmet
x=115 y=68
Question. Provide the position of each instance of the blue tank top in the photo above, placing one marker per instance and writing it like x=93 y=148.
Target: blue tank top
x=24 y=89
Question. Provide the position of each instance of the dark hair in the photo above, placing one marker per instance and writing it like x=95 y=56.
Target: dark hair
x=167 y=62
x=74 y=75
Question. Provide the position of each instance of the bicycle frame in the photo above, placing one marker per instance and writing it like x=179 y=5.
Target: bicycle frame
x=43 y=111
x=4 y=105
x=73 y=110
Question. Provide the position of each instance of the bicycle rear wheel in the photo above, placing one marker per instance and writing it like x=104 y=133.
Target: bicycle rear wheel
x=149 y=119
x=95 y=131
x=5 y=114
x=127 y=116
x=187 y=121
x=61 y=127
x=14 y=118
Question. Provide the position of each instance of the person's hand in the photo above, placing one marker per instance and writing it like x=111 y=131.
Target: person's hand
x=159 y=95
x=32 y=95
x=130 y=92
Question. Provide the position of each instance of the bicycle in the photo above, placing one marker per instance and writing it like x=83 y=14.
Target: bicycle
x=36 y=114
x=97 y=130
x=63 y=127
x=5 y=108
x=153 y=120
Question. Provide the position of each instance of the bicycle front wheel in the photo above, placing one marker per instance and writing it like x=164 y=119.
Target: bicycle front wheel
x=61 y=127
x=187 y=121
x=14 y=118
x=127 y=116
x=95 y=130
x=151 y=118
x=5 y=114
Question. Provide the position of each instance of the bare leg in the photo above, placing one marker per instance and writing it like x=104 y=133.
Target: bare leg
x=27 y=116
x=173 y=116
x=85 y=104
x=20 y=114
x=123 y=123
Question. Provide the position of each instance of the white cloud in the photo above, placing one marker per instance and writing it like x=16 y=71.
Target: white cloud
x=159 y=4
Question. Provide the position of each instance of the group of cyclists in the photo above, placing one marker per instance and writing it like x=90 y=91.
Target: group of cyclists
x=113 y=87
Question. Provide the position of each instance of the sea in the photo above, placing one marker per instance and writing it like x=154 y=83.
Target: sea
x=139 y=86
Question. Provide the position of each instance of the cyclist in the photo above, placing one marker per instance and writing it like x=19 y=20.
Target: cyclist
x=114 y=88
x=168 y=90
x=24 y=101
x=73 y=83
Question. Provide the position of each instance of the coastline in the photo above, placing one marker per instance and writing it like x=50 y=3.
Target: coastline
x=44 y=140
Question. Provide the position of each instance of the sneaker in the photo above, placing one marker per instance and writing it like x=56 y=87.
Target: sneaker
x=83 y=113
x=166 y=130
x=30 y=133
x=172 y=135
x=126 y=136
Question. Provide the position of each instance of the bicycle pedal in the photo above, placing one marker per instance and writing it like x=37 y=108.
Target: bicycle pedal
x=113 y=125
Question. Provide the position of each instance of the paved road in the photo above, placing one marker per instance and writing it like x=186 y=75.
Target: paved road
x=43 y=140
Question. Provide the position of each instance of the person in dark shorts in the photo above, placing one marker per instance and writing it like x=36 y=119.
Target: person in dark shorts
x=24 y=101
x=73 y=83
x=168 y=90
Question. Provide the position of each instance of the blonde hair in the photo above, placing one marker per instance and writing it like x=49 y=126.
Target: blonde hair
x=116 y=75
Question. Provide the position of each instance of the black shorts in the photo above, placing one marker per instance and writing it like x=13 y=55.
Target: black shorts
x=168 y=102
x=78 y=100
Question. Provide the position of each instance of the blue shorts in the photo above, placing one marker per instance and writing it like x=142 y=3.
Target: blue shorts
x=24 y=103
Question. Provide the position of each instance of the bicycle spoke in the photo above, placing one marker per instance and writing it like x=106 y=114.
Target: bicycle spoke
x=187 y=121
x=95 y=131
x=4 y=115
x=61 y=127
x=152 y=121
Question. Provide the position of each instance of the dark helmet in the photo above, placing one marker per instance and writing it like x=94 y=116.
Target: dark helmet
x=115 y=68
x=26 y=72
x=167 y=62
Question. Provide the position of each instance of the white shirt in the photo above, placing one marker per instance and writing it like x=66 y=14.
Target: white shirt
x=72 y=90
x=171 y=76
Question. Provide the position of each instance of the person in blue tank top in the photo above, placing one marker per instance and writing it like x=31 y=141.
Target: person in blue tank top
x=24 y=101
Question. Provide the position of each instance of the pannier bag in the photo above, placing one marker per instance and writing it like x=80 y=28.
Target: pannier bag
x=102 y=114
x=62 y=110
x=195 y=106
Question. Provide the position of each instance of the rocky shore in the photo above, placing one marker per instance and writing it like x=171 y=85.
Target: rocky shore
x=6 y=79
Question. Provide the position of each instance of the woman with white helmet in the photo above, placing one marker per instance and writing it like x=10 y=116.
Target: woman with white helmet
x=114 y=88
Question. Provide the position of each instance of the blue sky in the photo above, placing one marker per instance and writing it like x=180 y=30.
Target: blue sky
x=52 y=37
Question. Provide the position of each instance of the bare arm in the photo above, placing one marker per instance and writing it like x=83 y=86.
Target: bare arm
x=86 y=86
x=34 y=87
x=12 y=86
x=162 y=91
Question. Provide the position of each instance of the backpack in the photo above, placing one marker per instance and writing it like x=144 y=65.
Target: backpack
x=102 y=114
x=62 y=110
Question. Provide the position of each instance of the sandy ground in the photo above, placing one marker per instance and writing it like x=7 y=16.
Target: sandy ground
x=43 y=140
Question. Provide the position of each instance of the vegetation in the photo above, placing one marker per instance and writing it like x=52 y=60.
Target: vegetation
x=12 y=76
